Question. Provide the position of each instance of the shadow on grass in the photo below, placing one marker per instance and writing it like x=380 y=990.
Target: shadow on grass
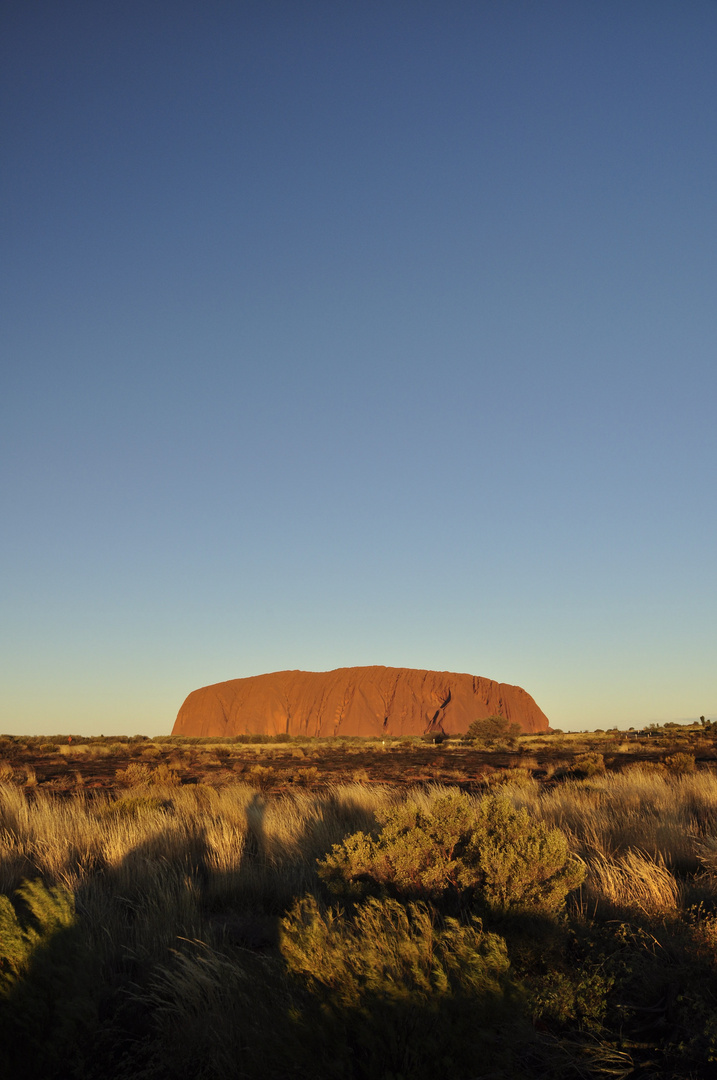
x=165 y=968
x=162 y=967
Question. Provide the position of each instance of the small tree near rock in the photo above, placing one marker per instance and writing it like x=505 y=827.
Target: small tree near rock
x=494 y=729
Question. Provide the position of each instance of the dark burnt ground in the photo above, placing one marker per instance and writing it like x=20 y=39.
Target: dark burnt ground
x=104 y=766
x=270 y=769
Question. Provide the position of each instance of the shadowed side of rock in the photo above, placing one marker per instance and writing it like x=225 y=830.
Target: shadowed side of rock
x=368 y=701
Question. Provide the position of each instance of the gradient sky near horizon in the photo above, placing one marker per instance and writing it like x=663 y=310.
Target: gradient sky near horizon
x=357 y=333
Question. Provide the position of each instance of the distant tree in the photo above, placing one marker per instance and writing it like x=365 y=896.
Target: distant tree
x=494 y=729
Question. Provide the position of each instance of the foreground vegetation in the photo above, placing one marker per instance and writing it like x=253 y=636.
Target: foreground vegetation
x=559 y=925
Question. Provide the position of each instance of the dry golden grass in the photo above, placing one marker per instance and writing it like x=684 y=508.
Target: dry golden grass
x=179 y=888
x=640 y=833
x=667 y=817
x=70 y=840
x=629 y=883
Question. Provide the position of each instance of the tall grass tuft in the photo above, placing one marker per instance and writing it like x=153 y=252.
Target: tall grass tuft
x=630 y=883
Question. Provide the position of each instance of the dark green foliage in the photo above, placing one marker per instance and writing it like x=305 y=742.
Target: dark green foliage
x=485 y=853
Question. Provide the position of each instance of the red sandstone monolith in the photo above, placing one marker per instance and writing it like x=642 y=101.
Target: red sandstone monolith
x=370 y=701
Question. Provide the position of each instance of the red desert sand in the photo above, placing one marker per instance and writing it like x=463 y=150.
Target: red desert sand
x=369 y=701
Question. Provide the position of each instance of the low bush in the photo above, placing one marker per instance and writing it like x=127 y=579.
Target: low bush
x=164 y=775
x=486 y=854
x=135 y=775
x=588 y=765
x=519 y=775
x=308 y=775
x=262 y=776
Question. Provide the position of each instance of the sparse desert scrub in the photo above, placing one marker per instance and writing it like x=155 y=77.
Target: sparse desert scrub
x=200 y=940
x=396 y=761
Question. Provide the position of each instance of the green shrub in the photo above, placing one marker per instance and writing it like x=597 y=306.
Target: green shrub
x=567 y=998
x=485 y=853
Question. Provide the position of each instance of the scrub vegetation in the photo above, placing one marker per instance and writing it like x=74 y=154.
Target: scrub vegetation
x=552 y=912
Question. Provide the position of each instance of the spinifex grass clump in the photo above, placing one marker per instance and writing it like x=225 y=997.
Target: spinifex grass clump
x=485 y=853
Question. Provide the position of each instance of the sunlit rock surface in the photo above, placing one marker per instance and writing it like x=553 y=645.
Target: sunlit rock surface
x=370 y=701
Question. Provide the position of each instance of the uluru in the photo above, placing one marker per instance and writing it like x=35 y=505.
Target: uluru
x=356 y=701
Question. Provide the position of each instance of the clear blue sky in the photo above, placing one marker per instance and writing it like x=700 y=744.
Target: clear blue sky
x=357 y=333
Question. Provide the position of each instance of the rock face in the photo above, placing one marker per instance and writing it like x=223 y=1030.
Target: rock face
x=369 y=701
